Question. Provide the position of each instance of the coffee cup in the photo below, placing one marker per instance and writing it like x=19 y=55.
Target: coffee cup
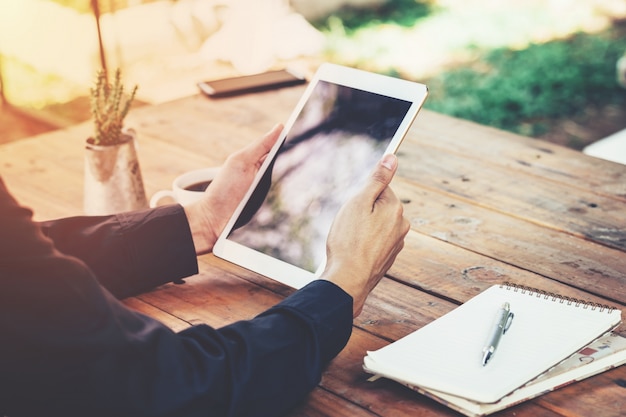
x=186 y=188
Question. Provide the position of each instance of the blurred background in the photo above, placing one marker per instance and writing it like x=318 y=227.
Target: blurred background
x=550 y=69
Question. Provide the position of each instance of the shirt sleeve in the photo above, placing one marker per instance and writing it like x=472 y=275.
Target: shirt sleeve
x=129 y=253
x=71 y=348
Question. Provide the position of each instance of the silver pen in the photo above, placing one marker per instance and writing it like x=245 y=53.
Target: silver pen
x=502 y=324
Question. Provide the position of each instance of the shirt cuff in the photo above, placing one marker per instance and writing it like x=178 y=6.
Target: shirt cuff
x=160 y=246
x=329 y=308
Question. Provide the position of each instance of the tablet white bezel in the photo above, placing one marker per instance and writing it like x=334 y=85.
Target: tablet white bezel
x=277 y=269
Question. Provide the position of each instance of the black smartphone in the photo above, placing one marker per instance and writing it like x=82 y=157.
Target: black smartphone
x=250 y=83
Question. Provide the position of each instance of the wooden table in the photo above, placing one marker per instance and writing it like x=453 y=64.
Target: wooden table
x=485 y=207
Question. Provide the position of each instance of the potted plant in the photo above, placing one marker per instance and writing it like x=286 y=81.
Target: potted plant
x=113 y=181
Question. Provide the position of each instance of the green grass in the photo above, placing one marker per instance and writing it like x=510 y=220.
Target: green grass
x=404 y=13
x=522 y=91
x=488 y=67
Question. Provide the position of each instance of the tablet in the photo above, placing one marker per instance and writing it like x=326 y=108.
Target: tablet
x=345 y=121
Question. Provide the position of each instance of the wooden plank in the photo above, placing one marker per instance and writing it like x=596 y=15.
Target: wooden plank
x=216 y=126
x=601 y=395
x=539 y=158
x=41 y=174
x=392 y=310
x=456 y=274
x=53 y=186
x=322 y=403
x=164 y=317
x=581 y=213
x=596 y=268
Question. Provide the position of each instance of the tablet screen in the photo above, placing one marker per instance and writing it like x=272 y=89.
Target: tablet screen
x=330 y=150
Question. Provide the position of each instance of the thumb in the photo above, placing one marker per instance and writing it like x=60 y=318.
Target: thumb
x=257 y=150
x=382 y=175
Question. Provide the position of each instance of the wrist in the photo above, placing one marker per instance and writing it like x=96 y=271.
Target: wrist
x=203 y=239
x=346 y=281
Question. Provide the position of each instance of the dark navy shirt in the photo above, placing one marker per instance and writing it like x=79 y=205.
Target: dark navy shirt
x=68 y=347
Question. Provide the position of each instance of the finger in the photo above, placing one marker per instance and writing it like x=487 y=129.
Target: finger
x=382 y=175
x=261 y=147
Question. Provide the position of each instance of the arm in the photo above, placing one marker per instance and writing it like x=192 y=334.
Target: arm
x=70 y=348
x=133 y=252
x=129 y=253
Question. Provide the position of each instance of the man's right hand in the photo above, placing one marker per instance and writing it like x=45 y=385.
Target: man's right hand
x=366 y=236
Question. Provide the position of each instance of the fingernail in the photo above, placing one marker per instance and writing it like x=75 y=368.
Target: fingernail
x=388 y=161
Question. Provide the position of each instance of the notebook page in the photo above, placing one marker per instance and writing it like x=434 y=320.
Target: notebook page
x=446 y=355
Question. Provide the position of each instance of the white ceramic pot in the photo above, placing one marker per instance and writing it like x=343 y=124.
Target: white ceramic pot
x=113 y=181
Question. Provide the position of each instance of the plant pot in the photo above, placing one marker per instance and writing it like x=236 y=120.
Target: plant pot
x=113 y=181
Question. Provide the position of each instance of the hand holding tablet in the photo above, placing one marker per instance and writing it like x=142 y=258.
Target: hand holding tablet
x=366 y=236
x=345 y=122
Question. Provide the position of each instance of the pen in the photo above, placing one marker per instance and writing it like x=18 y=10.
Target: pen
x=502 y=324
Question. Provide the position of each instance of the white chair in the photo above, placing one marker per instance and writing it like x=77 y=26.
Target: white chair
x=611 y=148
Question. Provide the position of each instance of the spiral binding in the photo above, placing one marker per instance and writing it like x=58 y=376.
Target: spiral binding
x=563 y=299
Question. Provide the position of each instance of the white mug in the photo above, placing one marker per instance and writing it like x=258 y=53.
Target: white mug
x=186 y=188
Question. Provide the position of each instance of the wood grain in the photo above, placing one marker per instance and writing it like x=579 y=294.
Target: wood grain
x=485 y=207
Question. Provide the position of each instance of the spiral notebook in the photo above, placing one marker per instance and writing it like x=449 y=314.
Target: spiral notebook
x=446 y=355
x=601 y=355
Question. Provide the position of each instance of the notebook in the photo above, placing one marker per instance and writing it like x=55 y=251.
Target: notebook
x=603 y=354
x=446 y=355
